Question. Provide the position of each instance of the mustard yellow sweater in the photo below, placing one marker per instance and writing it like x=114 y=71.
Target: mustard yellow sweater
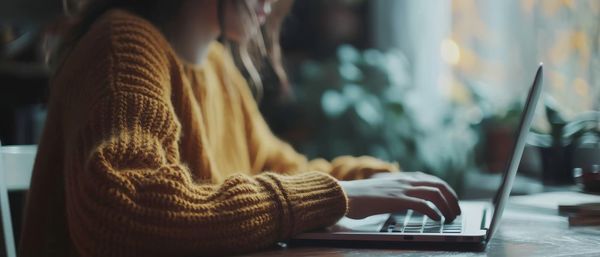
x=145 y=155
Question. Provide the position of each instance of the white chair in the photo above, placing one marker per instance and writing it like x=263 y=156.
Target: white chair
x=16 y=165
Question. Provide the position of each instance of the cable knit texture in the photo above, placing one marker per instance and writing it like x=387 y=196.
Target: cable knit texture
x=146 y=155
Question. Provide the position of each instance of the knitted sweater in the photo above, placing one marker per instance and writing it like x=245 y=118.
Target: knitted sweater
x=146 y=155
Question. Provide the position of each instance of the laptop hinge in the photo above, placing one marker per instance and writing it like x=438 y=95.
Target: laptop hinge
x=484 y=220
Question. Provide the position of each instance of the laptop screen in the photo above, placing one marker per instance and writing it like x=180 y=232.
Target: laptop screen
x=519 y=145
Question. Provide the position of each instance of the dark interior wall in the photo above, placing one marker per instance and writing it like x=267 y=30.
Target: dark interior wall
x=20 y=103
x=316 y=27
x=29 y=11
x=23 y=75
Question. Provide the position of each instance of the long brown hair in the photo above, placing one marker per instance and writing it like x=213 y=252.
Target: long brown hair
x=262 y=55
x=261 y=50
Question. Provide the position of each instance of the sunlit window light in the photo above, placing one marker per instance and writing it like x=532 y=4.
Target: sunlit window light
x=450 y=52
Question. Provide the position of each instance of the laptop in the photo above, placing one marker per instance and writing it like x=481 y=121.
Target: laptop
x=476 y=225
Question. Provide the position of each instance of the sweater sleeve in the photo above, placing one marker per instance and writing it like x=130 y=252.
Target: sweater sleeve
x=131 y=196
x=271 y=153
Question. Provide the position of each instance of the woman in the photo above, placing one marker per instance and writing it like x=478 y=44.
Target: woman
x=154 y=145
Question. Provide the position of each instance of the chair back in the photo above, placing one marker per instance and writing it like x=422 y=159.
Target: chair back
x=16 y=166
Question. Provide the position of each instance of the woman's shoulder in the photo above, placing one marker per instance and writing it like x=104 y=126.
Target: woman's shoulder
x=120 y=51
x=126 y=27
x=127 y=35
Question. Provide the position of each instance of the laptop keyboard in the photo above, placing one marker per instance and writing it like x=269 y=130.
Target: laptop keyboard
x=413 y=222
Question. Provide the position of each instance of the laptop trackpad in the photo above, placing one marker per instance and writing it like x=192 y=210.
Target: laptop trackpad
x=368 y=224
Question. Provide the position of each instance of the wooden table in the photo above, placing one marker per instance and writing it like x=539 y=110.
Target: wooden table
x=523 y=232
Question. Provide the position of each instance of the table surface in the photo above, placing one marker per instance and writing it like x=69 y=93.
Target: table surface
x=523 y=232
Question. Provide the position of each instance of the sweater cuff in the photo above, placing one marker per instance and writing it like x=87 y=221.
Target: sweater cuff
x=363 y=167
x=307 y=201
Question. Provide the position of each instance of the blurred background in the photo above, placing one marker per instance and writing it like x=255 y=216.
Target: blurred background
x=437 y=86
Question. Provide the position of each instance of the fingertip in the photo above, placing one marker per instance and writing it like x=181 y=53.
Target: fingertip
x=458 y=209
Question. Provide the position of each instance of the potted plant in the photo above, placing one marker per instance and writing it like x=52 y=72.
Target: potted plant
x=569 y=145
x=363 y=104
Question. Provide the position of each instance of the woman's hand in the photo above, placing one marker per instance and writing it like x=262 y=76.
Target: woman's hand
x=396 y=192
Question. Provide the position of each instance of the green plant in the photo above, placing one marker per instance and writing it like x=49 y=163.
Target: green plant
x=566 y=132
x=568 y=144
x=363 y=104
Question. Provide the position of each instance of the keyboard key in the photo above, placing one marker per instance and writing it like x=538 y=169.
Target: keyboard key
x=414 y=223
x=452 y=226
x=398 y=219
x=451 y=231
x=416 y=218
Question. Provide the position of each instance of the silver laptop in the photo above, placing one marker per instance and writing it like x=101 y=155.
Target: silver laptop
x=476 y=224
